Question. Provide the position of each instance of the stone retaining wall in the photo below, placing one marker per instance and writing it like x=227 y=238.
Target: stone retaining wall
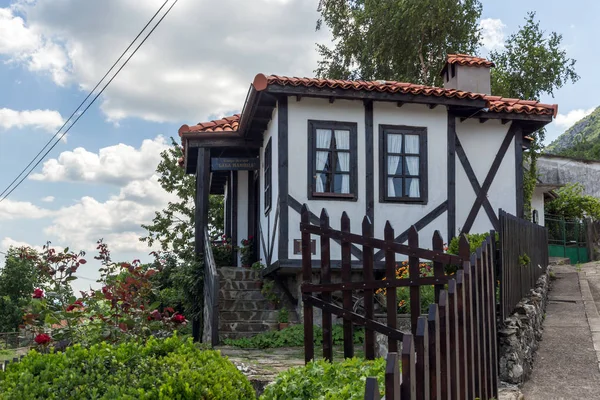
x=519 y=335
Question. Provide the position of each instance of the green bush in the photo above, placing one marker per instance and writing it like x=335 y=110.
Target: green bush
x=292 y=336
x=324 y=381
x=475 y=241
x=159 y=369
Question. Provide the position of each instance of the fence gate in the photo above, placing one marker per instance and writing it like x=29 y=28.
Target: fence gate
x=567 y=238
x=451 y=350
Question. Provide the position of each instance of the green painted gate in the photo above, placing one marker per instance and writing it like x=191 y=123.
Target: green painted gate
x=567 y=239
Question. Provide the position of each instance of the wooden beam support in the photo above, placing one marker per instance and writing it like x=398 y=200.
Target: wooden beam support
x=352 y=94
x=451 y=169
x=432 y=106
x=331 y=99
x=201 y=221
x=283 y=176
x=224 y=142
x=519 y=171
x=298 y=97
x=369 y=162
x=399 y=104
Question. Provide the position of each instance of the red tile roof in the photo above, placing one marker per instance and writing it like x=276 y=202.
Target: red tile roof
x=225 y=124
x=472 y=61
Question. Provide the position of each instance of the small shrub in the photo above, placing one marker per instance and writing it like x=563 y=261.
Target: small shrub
x=292 y=336
x=160 y=369
x=326 y=381
x=403 y=293
x=283 y=316
x=223 y=252
x=475 y=241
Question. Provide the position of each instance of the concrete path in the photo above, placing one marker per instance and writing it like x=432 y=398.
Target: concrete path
x=566 y=365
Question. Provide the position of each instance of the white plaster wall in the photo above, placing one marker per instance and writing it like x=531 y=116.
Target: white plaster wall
x=402 y=216
x=267 y=220
x=537 y=203
x=481 y=143
x=299 y=112
x=242 y=209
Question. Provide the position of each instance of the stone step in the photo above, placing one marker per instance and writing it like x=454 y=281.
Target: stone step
x=240 y=285
x=238 y=274
x=255 y=327
x=249 y=316
x=243 y=305
x=244 y=295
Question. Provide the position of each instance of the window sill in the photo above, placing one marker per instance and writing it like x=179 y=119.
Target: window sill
x=332 y=196
x=404 y=200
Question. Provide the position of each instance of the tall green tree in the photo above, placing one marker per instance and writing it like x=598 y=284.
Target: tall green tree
x=173 y=227
x=403 y=40
x=18 y=279
x=532 y=64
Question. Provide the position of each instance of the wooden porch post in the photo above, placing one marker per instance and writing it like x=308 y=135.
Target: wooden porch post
x=201 y=221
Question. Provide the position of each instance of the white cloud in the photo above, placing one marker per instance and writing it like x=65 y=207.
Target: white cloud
x=11 y=210
x=48 y=199
x=565 y=121
x=47 y=120
x=118 y=164
x=189 y=68
x=23 y=44
x=492 y=33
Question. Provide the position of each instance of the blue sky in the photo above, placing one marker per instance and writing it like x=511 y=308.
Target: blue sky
x=100 y=182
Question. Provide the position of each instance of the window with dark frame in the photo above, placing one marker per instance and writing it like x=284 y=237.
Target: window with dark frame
x=267 y=176
x=403 y=164
x=332 y=160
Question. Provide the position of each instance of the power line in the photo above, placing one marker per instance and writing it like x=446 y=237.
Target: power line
x=87 y=97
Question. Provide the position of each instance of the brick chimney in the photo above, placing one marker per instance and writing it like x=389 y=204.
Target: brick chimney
x=467 y=73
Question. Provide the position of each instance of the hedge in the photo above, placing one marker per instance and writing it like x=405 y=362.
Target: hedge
x=160 y=369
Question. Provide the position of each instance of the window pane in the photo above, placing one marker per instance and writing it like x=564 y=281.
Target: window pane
x=412 y=187
x=411 y=165
x=411 y=144
x=323 y=138
x=342 y=183
x=394 y=143
x=342 y=140
x=322 y=183
x=322 y=161
x=343 y=162
x=394 y=187
x=394 y=165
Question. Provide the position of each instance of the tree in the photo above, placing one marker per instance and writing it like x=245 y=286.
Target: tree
x=404 y=40
x=572 y=203
x=531 y=65
x=173 y=227
x=18 y=279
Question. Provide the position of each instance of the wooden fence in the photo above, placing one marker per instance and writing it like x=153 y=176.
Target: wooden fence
x=524 y=256
x=451 y=351
x=210 y=332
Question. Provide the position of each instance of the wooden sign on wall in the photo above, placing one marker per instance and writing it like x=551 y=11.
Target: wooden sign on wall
x=234 y=164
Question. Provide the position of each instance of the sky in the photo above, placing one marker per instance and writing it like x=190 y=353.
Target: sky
x=100 y=181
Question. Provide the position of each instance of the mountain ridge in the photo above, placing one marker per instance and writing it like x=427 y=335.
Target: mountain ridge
x=582 y=140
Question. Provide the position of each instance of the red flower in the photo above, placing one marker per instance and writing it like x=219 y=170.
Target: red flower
x=178 y=319
x=42 y=339
x=38 y=293
x=154 y=315
x=73 y=306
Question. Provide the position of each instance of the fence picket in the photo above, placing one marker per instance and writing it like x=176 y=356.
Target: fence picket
x=367 y=230
x=407 y=387
x=461 y=337
x=347 y=294
x=433 y=325
x=482 y=320
x=452 y=323
x=487 y=317
x=414 y=273
x=309 y=346
x=372 y=389
x=469 y=328
x=326 y=278
x=391 y=295
x=392 y=377
x=438 y=267
x=444 y=346
x=422 y=368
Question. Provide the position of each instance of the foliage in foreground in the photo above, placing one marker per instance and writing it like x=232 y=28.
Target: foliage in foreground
x=292 y=336
x=572 y=203
x=160 y=369
x=322 y=380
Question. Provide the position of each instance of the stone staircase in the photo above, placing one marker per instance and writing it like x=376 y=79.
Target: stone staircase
x=243 y=310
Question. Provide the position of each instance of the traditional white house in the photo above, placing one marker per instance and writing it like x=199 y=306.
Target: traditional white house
x=442 y=159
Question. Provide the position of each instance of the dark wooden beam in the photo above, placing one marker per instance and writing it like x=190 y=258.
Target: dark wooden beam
x=399 y=104
x=504 y=121
x=432 y=106
x=516 y=116
x=369 y=162
x=483 y=120
x=224 y=142
x=201 y=222
x=234 y=215
x=283 y=176
x=298 y=97
x=228 y=208
x=464 y=160
x=519 y=170
x=420 y=224
x=451 y=170
x=487 y=183
x=331 y=99
x=353 y=94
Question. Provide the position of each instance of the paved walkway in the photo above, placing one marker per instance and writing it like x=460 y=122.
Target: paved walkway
x=566 y=365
